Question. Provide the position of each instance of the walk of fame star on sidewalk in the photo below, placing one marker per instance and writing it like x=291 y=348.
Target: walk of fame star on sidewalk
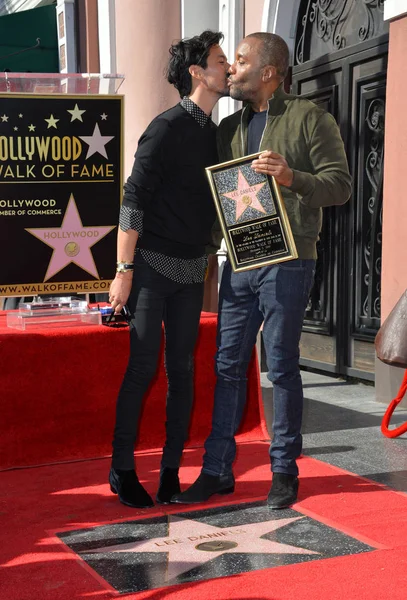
x=183 y=549
x=155 y=552
x=71 y=242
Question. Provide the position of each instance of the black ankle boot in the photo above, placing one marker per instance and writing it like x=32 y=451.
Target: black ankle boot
x=283 y=491
x=130 y=491
x=205 y=487
x=169 y=485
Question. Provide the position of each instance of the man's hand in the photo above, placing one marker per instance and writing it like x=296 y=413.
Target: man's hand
x=119 y=291
x=275 y=165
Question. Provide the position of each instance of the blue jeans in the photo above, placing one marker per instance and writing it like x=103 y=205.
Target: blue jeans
x=276 y=295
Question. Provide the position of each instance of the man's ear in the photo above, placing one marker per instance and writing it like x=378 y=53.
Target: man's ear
x=268 y=73
x=196 y=72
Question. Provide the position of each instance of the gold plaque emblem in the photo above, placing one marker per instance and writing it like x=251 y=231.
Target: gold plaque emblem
x=247 y=200
x=72 y=249
x=216 y=546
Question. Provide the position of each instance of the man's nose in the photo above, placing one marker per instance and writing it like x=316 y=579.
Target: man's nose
x=231 y=68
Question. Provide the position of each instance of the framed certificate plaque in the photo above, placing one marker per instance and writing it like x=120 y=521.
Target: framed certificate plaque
x=252 y=215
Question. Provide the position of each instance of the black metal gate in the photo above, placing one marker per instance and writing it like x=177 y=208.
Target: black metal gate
x=340 y=64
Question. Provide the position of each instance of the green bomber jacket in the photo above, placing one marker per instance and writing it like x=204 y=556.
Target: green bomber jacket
x=309 y=139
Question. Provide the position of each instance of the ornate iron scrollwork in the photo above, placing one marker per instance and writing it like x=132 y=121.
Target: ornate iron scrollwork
x=372 y=213
x=330 y=25
x=367 y=31
x=327 y=18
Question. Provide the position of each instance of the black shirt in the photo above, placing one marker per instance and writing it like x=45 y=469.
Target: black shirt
x=168 y=182
x=173 y=130
x=257 y=123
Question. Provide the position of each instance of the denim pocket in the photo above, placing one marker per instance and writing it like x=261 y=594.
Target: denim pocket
x=294 y=281
x=296 y=264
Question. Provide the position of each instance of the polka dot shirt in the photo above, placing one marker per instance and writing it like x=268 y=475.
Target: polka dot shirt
x=180 y=270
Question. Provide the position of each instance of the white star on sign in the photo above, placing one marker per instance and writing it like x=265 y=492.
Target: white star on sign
x=76 y=113
x=31 y=127
x=184 y=535
x=4 y=118
x=96 y=142
x=104 y=117
x=52 y=122
x=20 y=116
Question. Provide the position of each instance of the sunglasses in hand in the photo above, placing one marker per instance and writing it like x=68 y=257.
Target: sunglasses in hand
x=121 y=319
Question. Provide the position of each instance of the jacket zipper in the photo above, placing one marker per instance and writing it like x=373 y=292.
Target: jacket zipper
x=264 y=130
x=241 y=131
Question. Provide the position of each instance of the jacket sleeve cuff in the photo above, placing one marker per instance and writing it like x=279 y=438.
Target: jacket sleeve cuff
x=303 y=183
x=131 y=218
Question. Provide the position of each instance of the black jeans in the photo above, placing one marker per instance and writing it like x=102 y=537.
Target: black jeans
x=155 y=299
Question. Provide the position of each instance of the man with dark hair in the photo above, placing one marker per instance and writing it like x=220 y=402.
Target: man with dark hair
x=302 y=148
x=167 y=213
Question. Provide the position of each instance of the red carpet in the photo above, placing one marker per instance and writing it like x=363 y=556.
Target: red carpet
x=58 y=397
x=37 y=502
x=57 y=403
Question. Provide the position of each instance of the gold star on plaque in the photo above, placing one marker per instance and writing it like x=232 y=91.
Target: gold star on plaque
x=52 y=122
x=76 y=113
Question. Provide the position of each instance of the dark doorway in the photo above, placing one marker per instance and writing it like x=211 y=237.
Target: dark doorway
x=340 y=64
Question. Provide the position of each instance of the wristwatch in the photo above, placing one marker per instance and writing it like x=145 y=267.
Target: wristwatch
x=124 y=267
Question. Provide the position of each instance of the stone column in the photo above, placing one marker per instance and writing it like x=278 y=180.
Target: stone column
x=394 y=257
x=66 y=36
x=144 y=32
x=88 y=36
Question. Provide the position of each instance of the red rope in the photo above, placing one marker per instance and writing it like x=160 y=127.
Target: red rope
x=392 y=433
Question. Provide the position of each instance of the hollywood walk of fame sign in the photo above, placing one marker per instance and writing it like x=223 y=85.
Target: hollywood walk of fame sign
x=60 y=192
x=192 y=546
x=252 y=215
